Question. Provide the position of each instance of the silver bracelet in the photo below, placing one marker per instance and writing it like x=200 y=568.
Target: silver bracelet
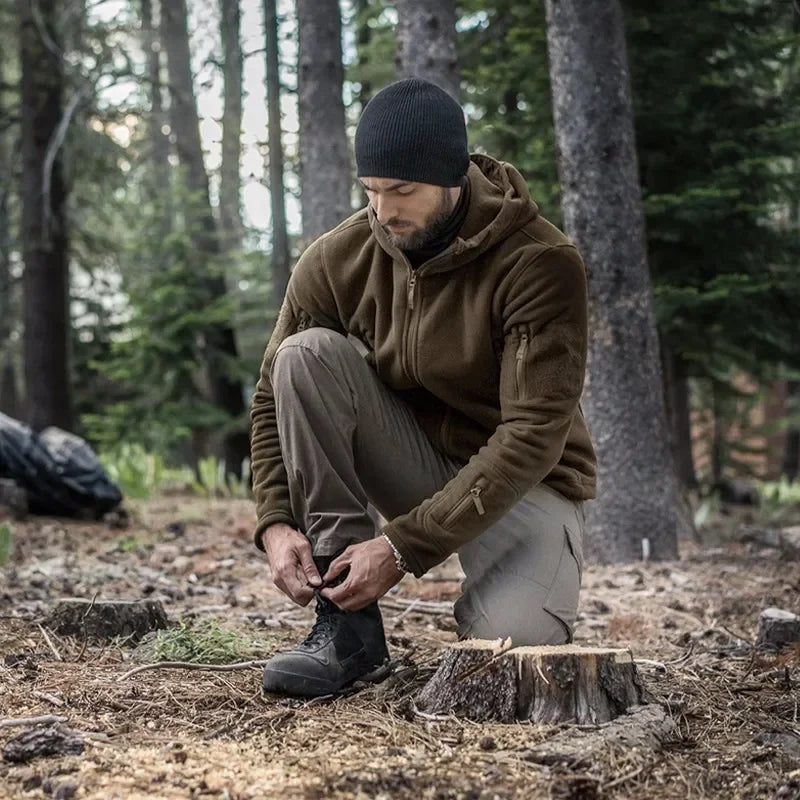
x=399 y=561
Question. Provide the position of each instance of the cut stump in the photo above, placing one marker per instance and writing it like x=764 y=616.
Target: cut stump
x=106 y=619
x=777 y=628
x=490 y=681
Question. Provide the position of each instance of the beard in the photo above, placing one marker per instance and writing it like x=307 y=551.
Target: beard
x=414 y=237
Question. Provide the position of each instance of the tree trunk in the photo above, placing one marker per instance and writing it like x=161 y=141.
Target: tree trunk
x=159 y=143
x=483 y=680
x=9 y=401
x=280 y=239
x=426 y=42
x=676 y=398
x=45 y=243
x=363 y=38
x=791 y=452
x=324 y=164
x=220 y=343
x=603 y=214
x=230 y=214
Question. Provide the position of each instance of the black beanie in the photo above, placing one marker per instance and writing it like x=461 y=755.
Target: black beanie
x=413 y=131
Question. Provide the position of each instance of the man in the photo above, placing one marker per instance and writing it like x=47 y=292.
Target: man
x=461 y=424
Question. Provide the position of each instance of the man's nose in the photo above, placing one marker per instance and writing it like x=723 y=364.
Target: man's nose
x=383 y=209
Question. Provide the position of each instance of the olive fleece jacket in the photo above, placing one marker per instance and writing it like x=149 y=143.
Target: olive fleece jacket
x=486 y=342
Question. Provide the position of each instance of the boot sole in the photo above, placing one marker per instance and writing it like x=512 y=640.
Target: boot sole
x=294 y=685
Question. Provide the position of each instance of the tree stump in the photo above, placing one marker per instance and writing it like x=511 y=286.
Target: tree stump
x=106 y=619
x=489 y=681
x=777 y=628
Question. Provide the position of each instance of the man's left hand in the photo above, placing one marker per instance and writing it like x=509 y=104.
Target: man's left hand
x=373 y=572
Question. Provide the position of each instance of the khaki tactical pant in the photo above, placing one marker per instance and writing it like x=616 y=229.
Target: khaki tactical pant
x=350 y=443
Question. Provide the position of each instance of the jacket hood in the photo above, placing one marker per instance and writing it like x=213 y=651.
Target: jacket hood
x=499 y=205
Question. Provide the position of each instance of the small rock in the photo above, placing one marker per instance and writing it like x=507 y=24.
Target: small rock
x=65 y=791
x=487 y=743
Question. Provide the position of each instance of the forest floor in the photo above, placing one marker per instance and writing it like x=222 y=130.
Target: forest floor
x=170 y=733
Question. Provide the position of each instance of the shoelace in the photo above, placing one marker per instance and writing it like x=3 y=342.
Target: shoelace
x=323 y=626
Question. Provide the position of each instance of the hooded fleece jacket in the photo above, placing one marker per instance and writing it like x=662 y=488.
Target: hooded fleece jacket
x=486 y=342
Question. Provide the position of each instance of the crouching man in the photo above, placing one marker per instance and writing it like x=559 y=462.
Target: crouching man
x=458 y=418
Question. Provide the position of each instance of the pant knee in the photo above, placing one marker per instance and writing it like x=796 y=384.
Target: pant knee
x=308 y=347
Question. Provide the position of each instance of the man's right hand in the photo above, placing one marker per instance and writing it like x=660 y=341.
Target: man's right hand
x=290 y=561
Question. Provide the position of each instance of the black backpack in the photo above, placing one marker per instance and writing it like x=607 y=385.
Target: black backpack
x=59 y=471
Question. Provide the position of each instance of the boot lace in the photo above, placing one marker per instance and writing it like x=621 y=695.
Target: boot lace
x=324 y=626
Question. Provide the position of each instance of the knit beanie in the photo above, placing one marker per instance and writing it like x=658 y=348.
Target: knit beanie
x=413 y=131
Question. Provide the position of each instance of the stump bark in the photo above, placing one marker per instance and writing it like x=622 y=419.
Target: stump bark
x=777 y=628
x=54 y=740
x=490 y=681
x=106 y=619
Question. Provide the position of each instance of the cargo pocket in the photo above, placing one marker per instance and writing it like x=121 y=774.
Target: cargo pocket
x=562 y=599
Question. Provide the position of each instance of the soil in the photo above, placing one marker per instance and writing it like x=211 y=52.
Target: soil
x=176 y=733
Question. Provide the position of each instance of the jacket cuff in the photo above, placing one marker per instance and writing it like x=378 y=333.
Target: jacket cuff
x=415 y=566
x=266 y=521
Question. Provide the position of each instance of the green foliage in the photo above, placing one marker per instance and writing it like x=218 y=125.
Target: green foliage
x=206 y=643
x=136 y=471
x=213 y=481
x=6 y=542
x=503 y=58
x=141 y=473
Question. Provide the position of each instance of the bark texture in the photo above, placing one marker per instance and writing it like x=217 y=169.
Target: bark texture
x=220 y=342
x=777 y=628
x=280 y=239
x=159 y=143
x=107 y=619
x=676 y=397
x=603 y=215
x=791 y=452
x=9 y=400
x=230 y=207
x=324 y=160
x=426 y=42
x=484 y=681
x=45 y=242
x=53 y=740
x=641 y=730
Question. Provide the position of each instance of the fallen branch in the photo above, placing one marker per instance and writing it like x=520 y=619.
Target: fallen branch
x=192 y=665
x=420 y=606
x=18 y=722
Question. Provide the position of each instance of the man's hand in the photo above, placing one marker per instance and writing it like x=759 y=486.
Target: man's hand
x=291 y=563
x=373 y=572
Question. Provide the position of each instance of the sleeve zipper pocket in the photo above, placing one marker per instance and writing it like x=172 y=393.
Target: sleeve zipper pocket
x=474 y=497
x=521 y=351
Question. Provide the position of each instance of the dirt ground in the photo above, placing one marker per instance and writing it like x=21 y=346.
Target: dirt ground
x=196 y=734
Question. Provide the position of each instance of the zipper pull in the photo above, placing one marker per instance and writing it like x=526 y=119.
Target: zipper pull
x=475 y=491
x=523 y=346
x=412 y=281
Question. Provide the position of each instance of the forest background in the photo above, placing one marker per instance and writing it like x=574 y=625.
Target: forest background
x=154 y=194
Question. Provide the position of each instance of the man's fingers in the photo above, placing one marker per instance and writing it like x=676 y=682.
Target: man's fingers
x=341 y=595
x=338 y=566
x=307 y=562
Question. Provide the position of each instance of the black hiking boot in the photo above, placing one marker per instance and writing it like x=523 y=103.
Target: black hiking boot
x=342 y=647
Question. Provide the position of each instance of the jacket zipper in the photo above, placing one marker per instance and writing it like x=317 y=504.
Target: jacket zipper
x=474 y=496
x=521 y=350
x=412 y=282
x=475 y=491
x=410 y=339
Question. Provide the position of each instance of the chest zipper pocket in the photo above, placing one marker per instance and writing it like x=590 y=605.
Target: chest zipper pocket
x=471 y=498
x=522 y=350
